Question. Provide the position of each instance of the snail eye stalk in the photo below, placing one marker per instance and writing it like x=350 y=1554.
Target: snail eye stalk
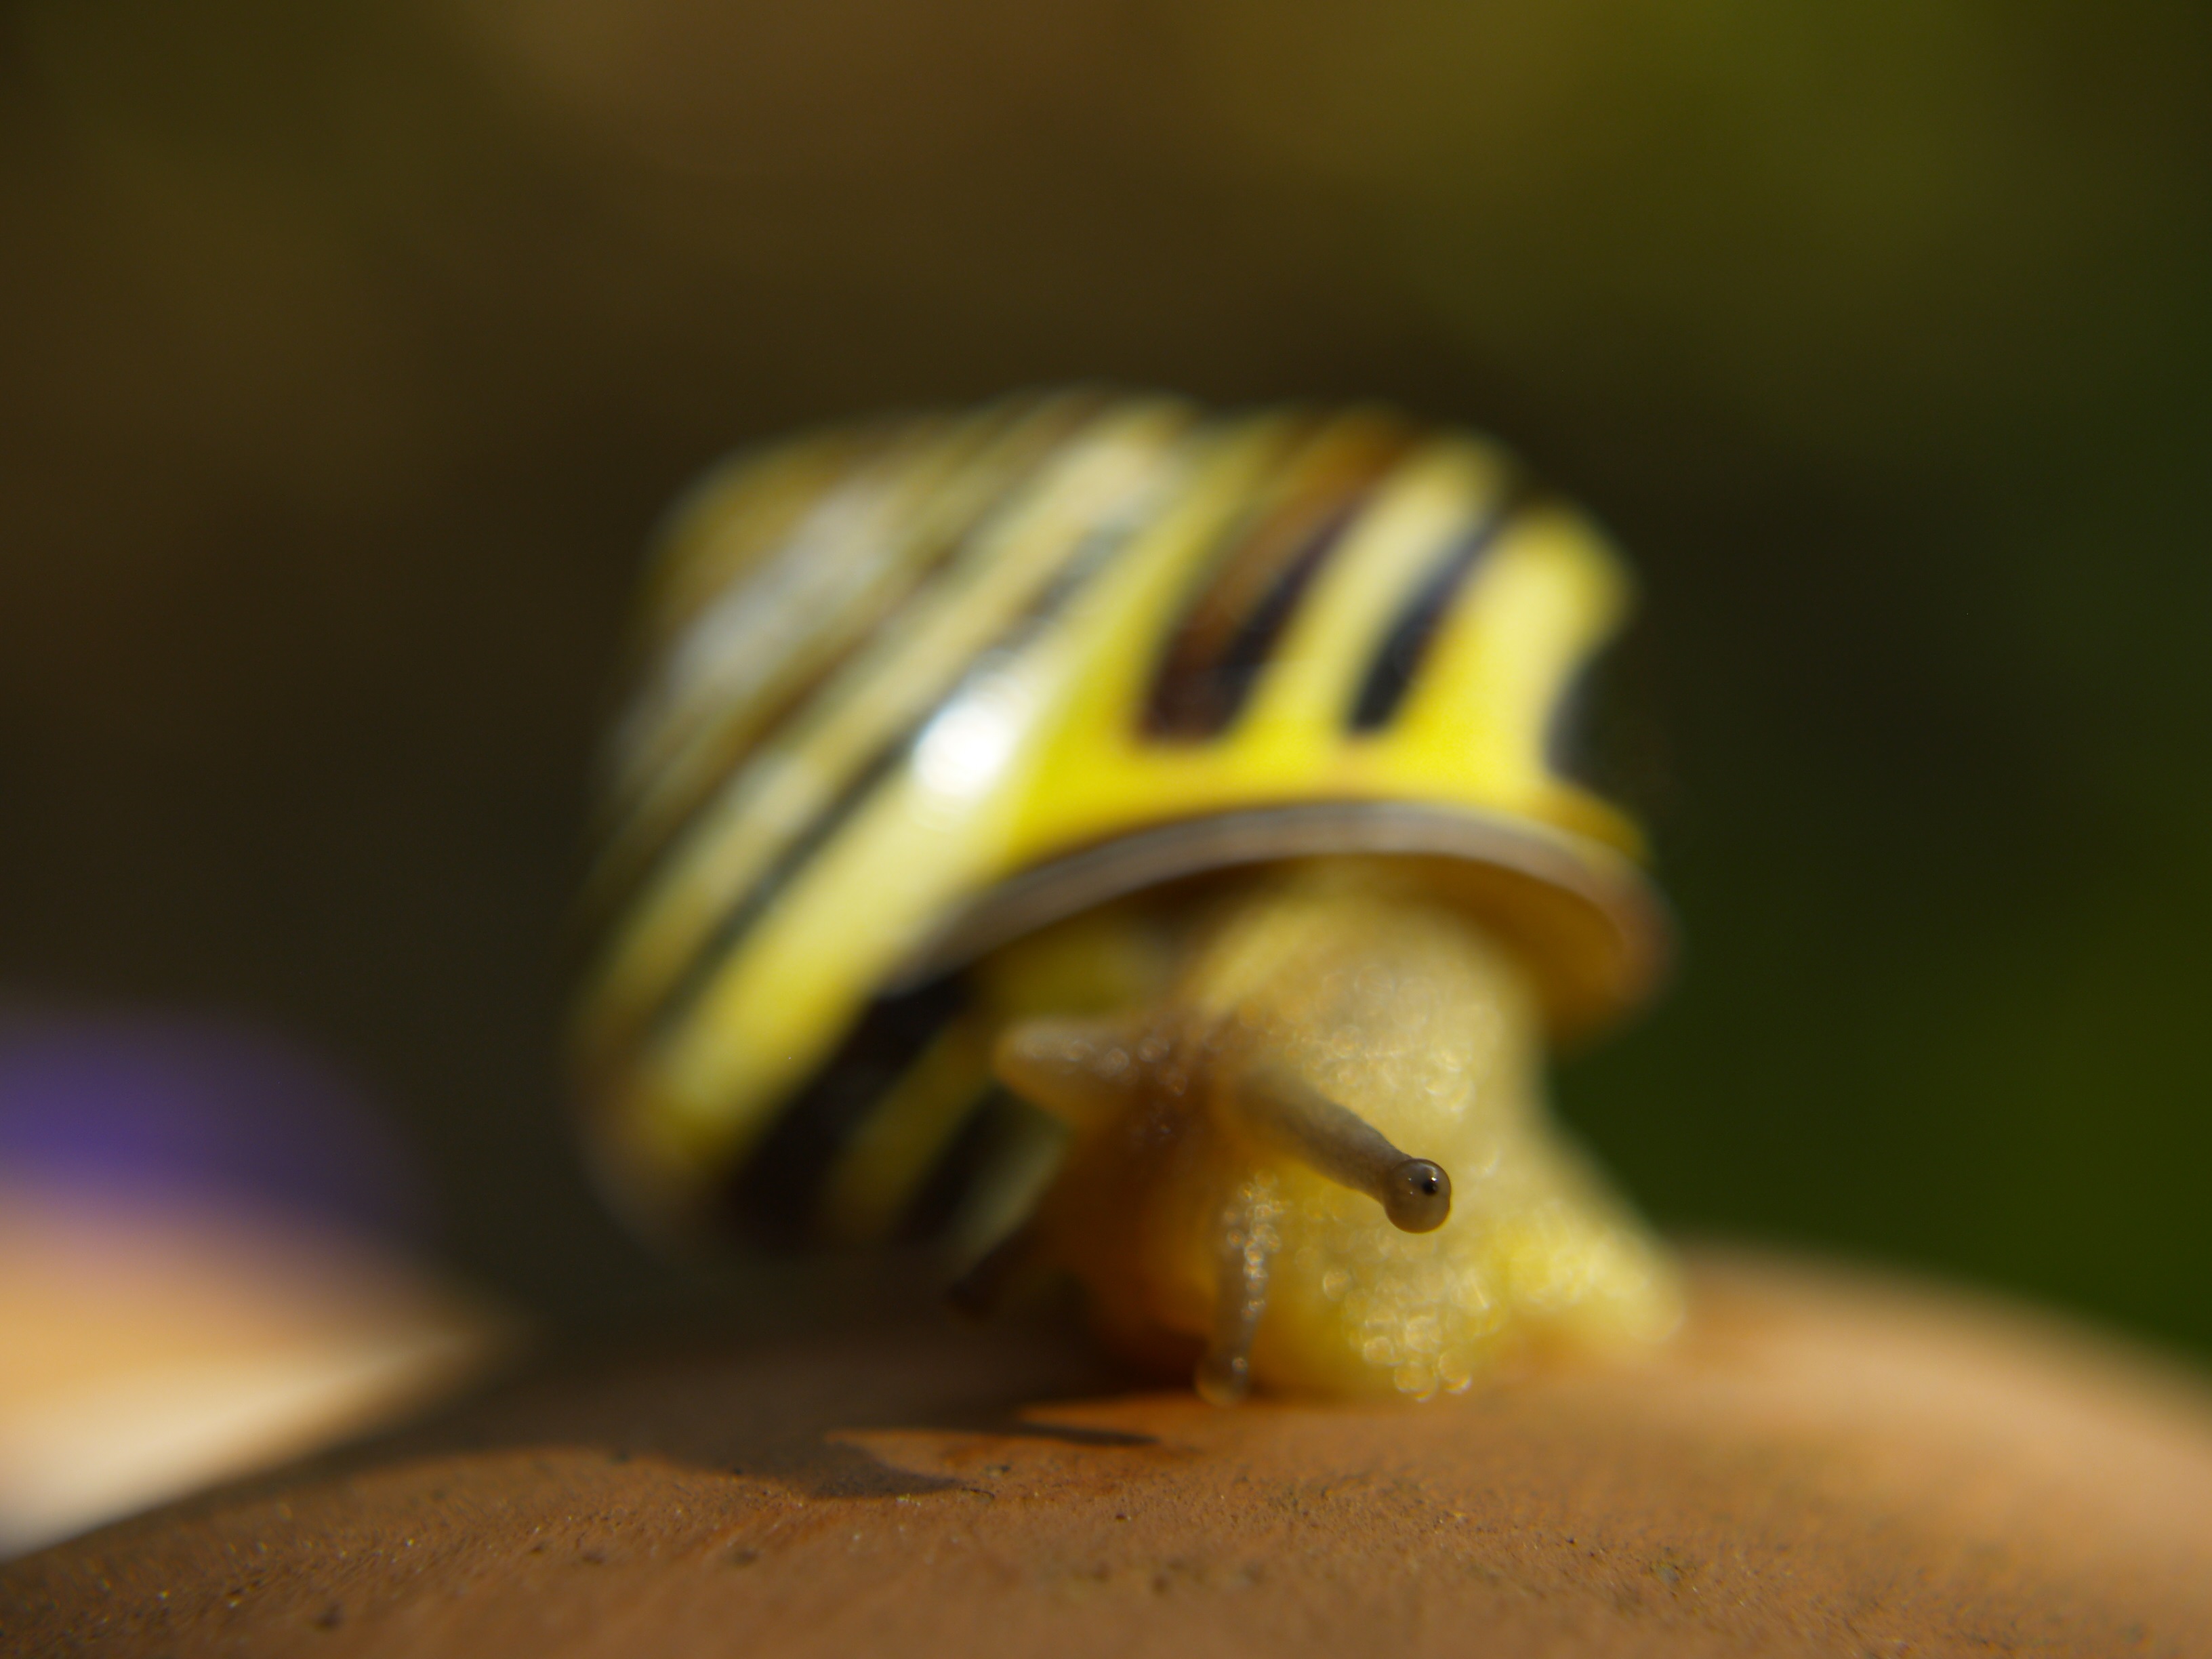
x=1287 y=1113
x=1084 y=1072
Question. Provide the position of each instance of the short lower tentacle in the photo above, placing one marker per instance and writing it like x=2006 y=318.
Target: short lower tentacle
x=1248 y=1242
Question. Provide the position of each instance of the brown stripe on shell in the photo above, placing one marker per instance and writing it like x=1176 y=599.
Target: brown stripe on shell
x=1267 y=563
x=775 y=1195
x=966 y=1164
x=1084 y=562
x=1397 y=663
x=1017 y=448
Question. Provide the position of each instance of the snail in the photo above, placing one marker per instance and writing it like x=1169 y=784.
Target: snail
x=1119 y=840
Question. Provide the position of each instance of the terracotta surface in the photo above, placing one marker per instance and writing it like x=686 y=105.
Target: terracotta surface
x=1820 y=1465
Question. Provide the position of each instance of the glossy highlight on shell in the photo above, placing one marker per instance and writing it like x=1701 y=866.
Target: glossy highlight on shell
x=965 y=747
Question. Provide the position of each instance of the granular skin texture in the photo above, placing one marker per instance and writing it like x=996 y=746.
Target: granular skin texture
x=1821 y=1463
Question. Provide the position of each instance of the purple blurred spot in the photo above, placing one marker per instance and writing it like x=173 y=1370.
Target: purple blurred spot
x=204 y=1108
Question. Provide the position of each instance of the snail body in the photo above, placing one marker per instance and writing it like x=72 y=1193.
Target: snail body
x=1243 y=1144
x=1118 y=841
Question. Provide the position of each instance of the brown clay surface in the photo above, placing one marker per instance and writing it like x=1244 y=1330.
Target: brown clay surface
x=1822 y=1464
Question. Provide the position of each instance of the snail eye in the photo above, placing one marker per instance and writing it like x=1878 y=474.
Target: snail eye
x=1420 y=1199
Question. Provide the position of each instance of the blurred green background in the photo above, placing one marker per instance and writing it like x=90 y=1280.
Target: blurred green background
x=349 y=350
